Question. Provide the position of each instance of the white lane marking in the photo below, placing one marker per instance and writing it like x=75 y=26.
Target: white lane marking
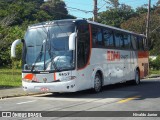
x=26 y=102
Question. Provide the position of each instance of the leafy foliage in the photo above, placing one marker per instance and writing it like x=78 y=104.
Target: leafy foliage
x=16 y=15
x=116 y=16
x=8 y=34
x=155 y=64
x=138 y=24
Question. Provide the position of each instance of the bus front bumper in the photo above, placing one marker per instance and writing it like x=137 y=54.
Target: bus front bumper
x=67 y=86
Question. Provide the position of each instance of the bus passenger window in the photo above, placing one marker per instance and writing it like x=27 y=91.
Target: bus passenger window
x=145 y=44
x=126 y=41
x=108 y=38
x=97 y=37
x=140 y=45
x=133 y=42
x=119 y=40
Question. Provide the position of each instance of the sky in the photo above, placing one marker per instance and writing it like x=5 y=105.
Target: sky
x=84 y=8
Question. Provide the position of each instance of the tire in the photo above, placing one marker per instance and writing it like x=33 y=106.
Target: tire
x=97 y=83
x=137 y=78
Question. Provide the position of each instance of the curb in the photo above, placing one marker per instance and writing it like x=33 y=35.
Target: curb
x=20 y=95
x=152 y=76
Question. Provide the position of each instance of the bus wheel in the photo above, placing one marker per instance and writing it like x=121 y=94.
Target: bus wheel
x=137 y=78
x=97 y=83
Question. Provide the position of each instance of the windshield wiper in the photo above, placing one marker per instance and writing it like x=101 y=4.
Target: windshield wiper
x=52 y=58
x=39 y=55
x=54 y=64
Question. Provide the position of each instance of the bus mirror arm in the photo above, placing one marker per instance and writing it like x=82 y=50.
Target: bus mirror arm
x=13 y=47
x=72 y=39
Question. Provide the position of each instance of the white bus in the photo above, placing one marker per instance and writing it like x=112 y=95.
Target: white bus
x=74 y=55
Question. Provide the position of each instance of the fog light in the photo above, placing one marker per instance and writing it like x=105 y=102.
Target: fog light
x=24 y=87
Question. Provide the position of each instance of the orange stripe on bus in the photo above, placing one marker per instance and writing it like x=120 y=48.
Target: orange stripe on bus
x=29 y=76
x=143 y=63
x=54 y=76
x=143 y=54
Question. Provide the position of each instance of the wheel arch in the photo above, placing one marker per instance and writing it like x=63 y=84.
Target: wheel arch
x=98 y=70
x=101 y=75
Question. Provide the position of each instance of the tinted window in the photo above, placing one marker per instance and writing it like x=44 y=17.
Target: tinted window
x=134 y=42
x=83 y=45
x=119 y=42
x=140 y=43
x=126 y=41
x=108 y=38
x=97 y=36
x=145 y=44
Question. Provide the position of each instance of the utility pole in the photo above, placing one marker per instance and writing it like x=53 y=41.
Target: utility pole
x=95 y=10
x=147 y=28
x=148 y=22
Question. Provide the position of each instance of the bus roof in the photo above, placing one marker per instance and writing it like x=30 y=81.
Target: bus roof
x=115 y=28
x=47 y=23
x=87 y=21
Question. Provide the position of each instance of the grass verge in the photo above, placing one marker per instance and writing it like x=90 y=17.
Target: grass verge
x=157 y=72
x=10 y=77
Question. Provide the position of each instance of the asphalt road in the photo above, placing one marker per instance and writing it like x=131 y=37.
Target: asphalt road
x=119 y=97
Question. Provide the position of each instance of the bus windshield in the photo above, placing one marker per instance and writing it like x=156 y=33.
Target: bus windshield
x=46 y=48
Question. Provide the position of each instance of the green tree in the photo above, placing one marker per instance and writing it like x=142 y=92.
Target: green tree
x=141 y=10
x=21 y=10
x=138 y=24
x=56 y=9
x=16 y=15
x=114 y=3
x=8 y=34
x=116 y=16
x=155 y=64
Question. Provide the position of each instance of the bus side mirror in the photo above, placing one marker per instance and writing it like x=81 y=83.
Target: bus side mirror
x=13 y=47
x=72 y=41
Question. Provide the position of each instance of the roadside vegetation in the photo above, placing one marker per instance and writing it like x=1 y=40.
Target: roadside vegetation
x=10 y=77
x=154 y=72
x=154 y=66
